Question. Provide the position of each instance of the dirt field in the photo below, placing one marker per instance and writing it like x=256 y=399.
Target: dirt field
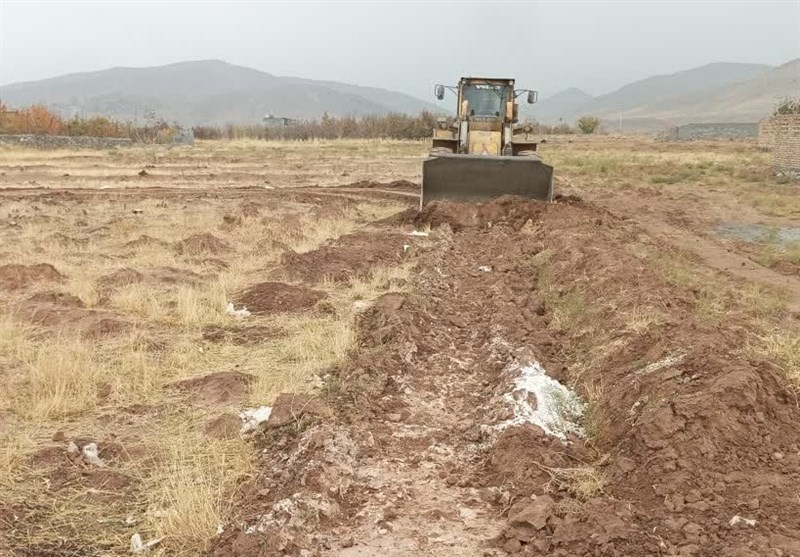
x=258 y=349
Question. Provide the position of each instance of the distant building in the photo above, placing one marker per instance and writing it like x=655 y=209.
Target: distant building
x=781 y=135
x=272 y=121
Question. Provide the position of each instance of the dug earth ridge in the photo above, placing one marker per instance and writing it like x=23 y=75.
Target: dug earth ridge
x=685 y=431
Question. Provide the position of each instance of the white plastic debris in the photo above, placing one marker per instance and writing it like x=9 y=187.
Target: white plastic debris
x=220 y=529
x=419 y=233
x=737 y=520
x=485 y=268
x=539 y=399
x=406 y=247
x=92 y=456
x=252 y=417
x=138 y=546
x=238 y=313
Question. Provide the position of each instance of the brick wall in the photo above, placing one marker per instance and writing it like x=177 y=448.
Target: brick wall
x=781 y=135
x=765 y=133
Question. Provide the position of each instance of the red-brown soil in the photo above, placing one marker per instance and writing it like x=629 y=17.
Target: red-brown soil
x=278 y=297
x=145 y=241
x=66 y=313
x=219 y=388
x=410 y=463
x=203 y=244
x=351 y=256
x=154 y=275
x=15 y=277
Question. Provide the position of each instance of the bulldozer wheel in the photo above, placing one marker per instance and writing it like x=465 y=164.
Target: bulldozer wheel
x=437 y=151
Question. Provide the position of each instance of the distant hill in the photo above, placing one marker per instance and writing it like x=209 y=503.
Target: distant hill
x=745 y=101
x=720 y=92
x=562 y=105
x=204 y=92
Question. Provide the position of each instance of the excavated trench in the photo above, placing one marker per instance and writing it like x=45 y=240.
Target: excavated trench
x=540 y=389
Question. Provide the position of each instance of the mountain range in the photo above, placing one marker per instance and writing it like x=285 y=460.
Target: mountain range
x=216 y=92
x=204 y=92
x=720 y=92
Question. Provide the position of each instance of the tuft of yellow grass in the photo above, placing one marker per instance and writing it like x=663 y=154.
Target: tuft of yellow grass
x=783 y=346
x=193 y=491
x=61 y=377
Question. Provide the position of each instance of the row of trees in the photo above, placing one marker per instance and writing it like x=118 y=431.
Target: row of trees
x=42 y=121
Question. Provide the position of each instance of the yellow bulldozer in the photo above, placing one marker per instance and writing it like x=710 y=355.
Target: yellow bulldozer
x=484 y=152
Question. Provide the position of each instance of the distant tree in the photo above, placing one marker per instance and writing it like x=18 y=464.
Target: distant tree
x=588 y=124
x=787 y=105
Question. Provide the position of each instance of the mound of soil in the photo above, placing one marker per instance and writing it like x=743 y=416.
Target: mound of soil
x=219 y=388
x=153 y=275
x=15 y=277
x=203 y=244
x=291 y=408
x=145 y=241
x=278 y=297
x=224 y=426
x=58 y=318
x=68 y=241
x=351 y=256
x=57 y=298
x=509 y=210
x=241 y=336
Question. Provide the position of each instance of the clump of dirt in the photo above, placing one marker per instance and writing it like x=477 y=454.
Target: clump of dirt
x=59 y=318
x=219 y=388
x=203 y=244
x=145 y=241
x=68 y=241
x=154 y=275
x=291 y=408
x=224 y=426
x=278 y=297
x=350 y=256
x=120 y=277
x=14 y=276
x=509 y=210
x=242 y=336
x=57 y=298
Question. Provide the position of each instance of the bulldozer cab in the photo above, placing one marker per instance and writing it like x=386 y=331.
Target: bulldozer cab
x=485 y=99
x=481 y=153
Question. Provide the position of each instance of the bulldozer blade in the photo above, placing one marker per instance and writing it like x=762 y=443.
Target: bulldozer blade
x=480 y=178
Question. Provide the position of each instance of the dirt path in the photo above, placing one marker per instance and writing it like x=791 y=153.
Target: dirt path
x=656 y=215
x=719 y=257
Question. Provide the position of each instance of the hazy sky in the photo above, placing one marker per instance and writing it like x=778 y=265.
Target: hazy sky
x=406 y=46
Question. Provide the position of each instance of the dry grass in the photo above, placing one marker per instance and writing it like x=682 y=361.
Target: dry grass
x=783 y=347
x=191 y=494
x=583 y=482
x=63 y=381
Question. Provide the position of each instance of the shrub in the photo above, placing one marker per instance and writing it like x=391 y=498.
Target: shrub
x=588 y=124
x=787 y=105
